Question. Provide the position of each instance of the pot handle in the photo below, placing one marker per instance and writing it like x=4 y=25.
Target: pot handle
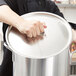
x=6 y=45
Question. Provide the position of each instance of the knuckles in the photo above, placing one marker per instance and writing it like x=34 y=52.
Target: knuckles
x=33 y=30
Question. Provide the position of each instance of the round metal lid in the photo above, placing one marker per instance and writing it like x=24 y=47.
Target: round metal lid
x=56 y=38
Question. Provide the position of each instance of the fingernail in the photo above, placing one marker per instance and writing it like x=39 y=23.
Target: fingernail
x=45 y=26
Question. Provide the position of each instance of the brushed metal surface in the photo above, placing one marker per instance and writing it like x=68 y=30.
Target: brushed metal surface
x=53 y=66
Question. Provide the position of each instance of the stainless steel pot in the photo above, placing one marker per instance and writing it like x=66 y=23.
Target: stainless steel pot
x=46 y=55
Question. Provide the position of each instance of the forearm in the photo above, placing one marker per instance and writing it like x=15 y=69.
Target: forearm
x=9 y=17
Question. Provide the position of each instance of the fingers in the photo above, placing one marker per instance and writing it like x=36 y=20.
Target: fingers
x=35 y=29
x=28 y=33
x=39 y=28
x=33 y=32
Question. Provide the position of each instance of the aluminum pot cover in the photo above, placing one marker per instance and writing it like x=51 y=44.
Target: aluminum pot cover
x=56 y=38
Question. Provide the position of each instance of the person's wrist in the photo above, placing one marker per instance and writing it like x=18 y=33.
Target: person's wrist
x=18 y=23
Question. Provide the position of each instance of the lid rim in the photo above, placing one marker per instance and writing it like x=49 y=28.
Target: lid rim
x=66 y=46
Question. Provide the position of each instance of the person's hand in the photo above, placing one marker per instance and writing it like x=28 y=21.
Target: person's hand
x=31 y=28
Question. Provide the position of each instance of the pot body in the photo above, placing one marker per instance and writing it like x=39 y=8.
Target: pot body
x=58 y=65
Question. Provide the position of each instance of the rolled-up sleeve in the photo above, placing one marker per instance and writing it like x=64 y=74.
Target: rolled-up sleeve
x=2 y=2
